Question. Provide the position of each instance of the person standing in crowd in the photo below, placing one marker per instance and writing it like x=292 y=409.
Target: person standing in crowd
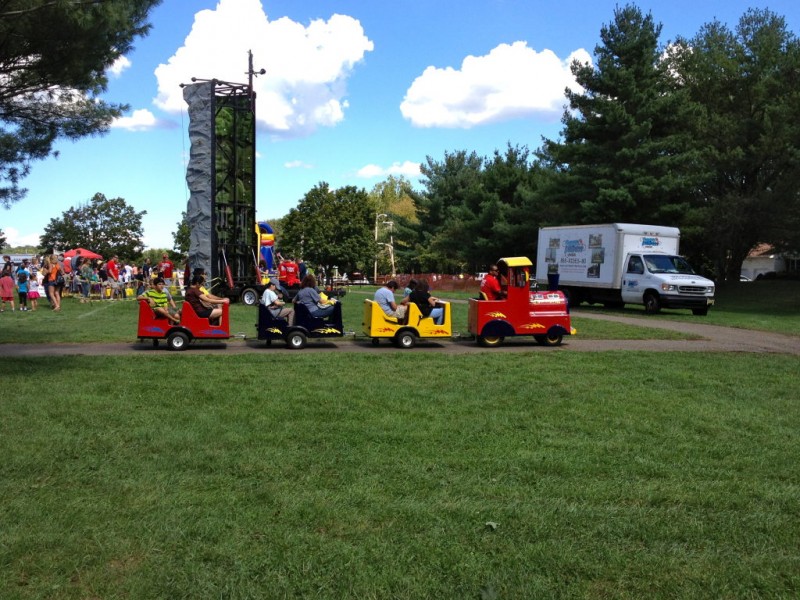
x=384 y=296
x=112 y=271
x=86 y=279
x=165 y=268
x=52 y=274
x=146 y=266
x=75 y=271
x=23 y=283
x=6 y=289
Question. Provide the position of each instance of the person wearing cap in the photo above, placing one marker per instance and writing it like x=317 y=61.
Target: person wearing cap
x=275 y=305
x=384 y=296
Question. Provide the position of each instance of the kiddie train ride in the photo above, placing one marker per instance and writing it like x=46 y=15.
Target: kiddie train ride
x=543 y=315
x=155 y=327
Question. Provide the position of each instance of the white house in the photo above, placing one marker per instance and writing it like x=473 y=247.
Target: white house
x=763 y=259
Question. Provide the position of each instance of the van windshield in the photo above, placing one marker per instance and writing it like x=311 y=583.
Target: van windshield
x=658 y=263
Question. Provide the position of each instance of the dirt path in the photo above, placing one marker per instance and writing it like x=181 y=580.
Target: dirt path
x=714 y=339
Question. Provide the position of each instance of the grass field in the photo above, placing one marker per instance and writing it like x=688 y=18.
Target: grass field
x=540 y=474
x=410 y=475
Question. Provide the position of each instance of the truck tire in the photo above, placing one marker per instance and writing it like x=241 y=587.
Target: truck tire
x=249 y=297
x=700 y=312
x=652 y=303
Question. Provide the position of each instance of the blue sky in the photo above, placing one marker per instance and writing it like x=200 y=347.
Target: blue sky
x=355 y=90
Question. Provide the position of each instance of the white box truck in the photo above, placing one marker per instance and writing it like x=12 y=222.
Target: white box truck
x=622 y=263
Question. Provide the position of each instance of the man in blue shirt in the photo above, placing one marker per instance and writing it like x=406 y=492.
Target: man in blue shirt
x=384 y=296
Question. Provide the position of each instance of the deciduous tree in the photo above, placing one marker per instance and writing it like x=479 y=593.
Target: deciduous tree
x=331 y=228
x=107 y=226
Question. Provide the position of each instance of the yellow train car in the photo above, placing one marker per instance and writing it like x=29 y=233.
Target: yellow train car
x=405 y=334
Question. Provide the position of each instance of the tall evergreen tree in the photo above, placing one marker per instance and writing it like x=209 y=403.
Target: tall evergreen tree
x=746 y=84
x=624 y=153
x=53 y=60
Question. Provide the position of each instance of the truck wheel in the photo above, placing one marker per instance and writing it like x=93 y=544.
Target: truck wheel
x=249 y=297
x=375 y=341
x=490 y=341
x=700 y=312
x=405 y=339
x=652 y=305
x=177 y=341
x=549 y=339
x=296 y=340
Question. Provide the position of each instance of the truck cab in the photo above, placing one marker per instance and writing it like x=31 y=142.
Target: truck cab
x=659 y=280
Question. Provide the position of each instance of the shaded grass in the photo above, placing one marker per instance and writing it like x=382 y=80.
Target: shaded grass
x=220 y=476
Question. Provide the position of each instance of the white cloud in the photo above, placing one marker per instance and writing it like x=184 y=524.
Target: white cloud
x=15 y=239
x=306 y=66
x=120 y=65
x=407 y=169
x=511 y=81
x=297 y=164
x=140 y=120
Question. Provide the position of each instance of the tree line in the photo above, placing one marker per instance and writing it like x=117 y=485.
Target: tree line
x=701 y=133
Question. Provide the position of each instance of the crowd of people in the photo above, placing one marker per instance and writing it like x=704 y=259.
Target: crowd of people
x=51 y=276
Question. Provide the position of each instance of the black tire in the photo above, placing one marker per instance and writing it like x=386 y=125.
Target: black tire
x=177 y=341
x=155 y=343
x=549 y=339
x=405 y=339
x=375 y=341
x=296 y=340
x=652 y=303
x=249 y=297
x=490 y=341
x=700 y=312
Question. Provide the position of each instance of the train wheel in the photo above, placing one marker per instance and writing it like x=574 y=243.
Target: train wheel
x=490 y=341
x=405 y=339
x=177 y=341
x=549 y=339
x=296 y=340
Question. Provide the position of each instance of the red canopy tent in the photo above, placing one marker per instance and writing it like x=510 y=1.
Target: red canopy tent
x=84 y=253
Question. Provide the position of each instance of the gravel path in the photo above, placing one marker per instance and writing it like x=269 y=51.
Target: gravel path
x=714 y=339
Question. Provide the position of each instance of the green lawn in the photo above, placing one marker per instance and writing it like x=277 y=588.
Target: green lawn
x=769 y=305
x=402 y=475
x=537 y=474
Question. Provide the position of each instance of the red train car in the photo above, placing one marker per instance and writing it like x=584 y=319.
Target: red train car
x=543 y=315
x=178 y=335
